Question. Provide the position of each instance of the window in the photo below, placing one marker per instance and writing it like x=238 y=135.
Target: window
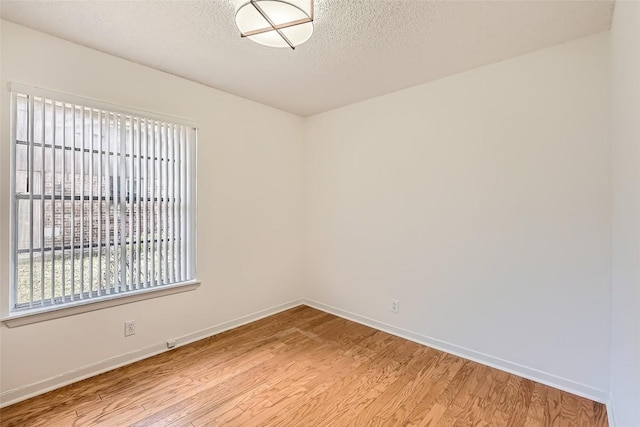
x=103 y=201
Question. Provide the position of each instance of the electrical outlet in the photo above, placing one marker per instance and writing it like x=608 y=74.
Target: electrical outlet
x=129 y=328
x=395 y=306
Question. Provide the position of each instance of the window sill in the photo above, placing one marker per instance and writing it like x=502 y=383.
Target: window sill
x=27 y=317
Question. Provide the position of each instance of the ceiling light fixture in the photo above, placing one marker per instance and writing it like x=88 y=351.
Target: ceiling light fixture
x=276 y=23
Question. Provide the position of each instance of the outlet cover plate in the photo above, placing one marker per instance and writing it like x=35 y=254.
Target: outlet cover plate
x=129 y=328
x=395 y=306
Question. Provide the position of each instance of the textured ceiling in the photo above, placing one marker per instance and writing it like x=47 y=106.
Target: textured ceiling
x=360 y=48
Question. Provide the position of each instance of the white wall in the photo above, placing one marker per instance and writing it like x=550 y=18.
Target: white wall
x=625 y=356
x=251 y=217
x=482 y=202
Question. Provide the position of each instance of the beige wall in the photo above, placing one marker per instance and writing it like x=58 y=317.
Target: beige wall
x=250 y=209
x=625 y=360
x=482 y=202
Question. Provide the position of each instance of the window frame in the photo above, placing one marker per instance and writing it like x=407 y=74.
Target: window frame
x=17 y=317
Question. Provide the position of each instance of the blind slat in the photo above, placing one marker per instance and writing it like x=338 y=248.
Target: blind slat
x=91 y=203
x=73 y=203
x=83 y=179
x=42 y=199
x=114 y=194
x=179 y=203
x=154 y=209
x=186 y=218
x=54 y=129
x=64 y=207
x=30 y=184
x=165 y=194
x=101 y=195
x=146 y=204
x=124 y=283
x=129 y=205
x=159 y=207
x=183 y=204
x=138 y=204
x=108 y=205
x=171 y=214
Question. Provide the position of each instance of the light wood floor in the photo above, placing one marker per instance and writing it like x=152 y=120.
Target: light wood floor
x=304 y=367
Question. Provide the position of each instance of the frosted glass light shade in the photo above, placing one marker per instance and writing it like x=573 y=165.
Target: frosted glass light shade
x=274 y=23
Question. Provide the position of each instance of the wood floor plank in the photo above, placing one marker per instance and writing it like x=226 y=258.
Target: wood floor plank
x=552 y=411
x=104 y=417
x=322 y=400
x=484 y=401
x=283 y=381
x=522 y=402
x=392 y=399
x=309 y=366
x=415 y=410
x=451 y=391
x=600 y=415
x=218 y=389
x=34 y=410
x=508 y=399
x=494 y=387
x=270 y=406
x=568 y=410
x=499 y=419
x=304 y=367
x=536 y=414
x=586 y=416
x=373 y=385
x=460 y=410
x=164 y=403
x=471 y=414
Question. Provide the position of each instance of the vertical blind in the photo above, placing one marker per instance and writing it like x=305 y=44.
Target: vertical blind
x=103 y=200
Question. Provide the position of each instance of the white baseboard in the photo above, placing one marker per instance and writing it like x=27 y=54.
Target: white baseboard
x=482 y=358
x=25 y=392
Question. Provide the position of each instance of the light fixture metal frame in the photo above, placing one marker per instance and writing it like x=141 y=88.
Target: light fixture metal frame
x=278 y=27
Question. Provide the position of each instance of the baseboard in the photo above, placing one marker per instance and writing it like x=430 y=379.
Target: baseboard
x=485 y=359
x=25 y=392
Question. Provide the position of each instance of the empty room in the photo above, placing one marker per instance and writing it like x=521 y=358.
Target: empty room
x=320 y=213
